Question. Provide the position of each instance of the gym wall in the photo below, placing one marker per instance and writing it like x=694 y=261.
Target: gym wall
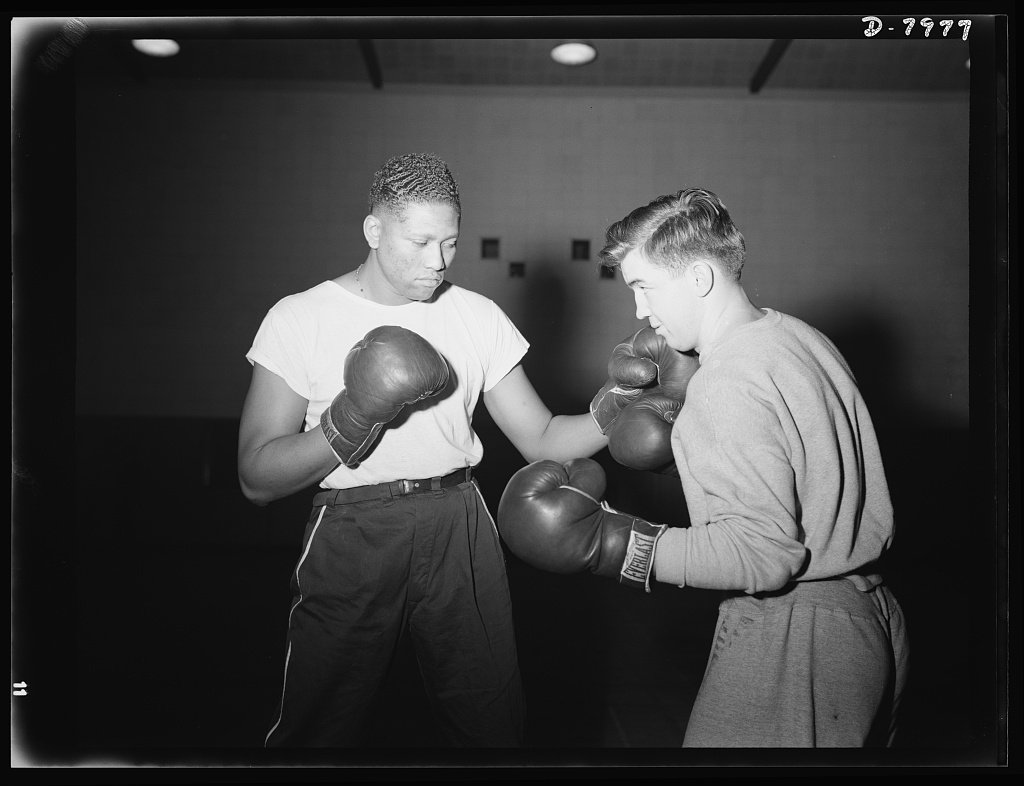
x=201 y=204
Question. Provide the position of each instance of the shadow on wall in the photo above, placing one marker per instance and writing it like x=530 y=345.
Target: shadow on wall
x=873 y=353
x=549 y=316
x=874 y=347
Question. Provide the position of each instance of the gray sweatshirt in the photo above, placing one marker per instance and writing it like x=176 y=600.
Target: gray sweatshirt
x=779 y=464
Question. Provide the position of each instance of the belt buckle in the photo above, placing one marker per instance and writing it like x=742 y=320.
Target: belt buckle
x=408 y=486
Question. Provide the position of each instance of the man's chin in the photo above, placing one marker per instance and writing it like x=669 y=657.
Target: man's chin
x=660 y=330
x=423 y=292
x=672 y=342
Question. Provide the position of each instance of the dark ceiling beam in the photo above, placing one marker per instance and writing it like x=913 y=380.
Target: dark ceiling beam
x=771 y=59
x=372 y=64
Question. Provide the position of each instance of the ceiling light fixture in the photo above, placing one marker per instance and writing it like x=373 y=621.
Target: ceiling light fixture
x=574 y=53
x=156 y=47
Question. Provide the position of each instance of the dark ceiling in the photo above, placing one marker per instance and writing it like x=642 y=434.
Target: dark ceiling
x=636 y=52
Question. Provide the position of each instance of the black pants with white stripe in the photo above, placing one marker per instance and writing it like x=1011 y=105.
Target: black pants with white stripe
x=430 y=563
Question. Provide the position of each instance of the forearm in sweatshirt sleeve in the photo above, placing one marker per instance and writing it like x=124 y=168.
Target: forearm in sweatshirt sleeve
x=726 y=556
x=750 y=541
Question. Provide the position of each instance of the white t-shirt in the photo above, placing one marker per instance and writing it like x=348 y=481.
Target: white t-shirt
x=305 y=338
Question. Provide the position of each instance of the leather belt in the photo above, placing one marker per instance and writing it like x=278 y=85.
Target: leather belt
x=396 y=488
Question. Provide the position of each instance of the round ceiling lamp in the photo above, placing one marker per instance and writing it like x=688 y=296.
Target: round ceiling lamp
x=156 y=47
x=574 y=53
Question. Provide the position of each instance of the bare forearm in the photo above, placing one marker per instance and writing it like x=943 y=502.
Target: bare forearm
x=567 y=437
x=284 y=466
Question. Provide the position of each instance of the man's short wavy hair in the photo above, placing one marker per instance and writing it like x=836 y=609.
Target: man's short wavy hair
x=412 y=178
x=677 y=229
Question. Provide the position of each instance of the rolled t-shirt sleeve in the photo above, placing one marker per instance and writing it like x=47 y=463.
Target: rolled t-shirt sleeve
x=506 y=344
x=281 y=346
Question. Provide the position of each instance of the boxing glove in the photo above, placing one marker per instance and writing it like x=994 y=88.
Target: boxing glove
x=552 y=517
x=387 y=370
x=640 y=437
x=644 y=361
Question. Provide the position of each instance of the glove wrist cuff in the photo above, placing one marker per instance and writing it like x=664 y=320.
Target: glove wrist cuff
x=331 y=433
x=609 y=403
x=348 y=452
x=639 y=562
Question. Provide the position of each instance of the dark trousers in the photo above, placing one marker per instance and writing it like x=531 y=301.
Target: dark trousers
x=430 y=563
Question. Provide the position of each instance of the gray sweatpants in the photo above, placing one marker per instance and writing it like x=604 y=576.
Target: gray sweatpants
x=819 y=665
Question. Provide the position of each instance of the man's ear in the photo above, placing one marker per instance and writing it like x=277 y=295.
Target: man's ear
x=371 y=230
x=703 y=278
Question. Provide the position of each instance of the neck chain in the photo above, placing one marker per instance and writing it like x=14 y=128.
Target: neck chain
x=359 y=283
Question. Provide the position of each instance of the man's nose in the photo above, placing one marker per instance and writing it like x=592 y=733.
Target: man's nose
x=437 y=260
x=642 y=311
